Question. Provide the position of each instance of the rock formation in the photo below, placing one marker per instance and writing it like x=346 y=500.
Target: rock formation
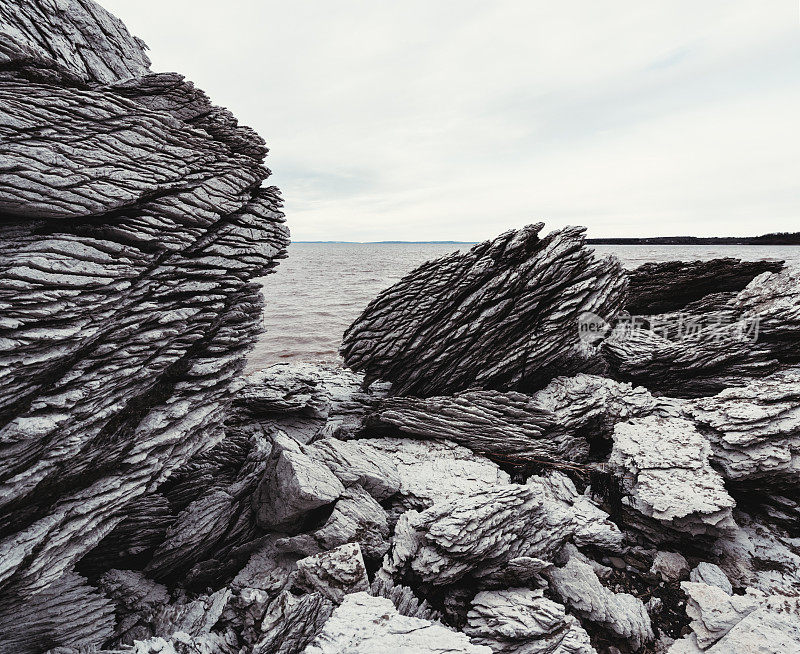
x=655 y=288
x=485 y=477
x=133 y=224
x=503 y=315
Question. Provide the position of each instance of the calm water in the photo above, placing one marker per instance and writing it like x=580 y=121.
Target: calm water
x=322 y=287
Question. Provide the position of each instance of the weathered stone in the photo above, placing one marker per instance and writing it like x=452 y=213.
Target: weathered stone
x=578 y=587
x=134 y=226
x=662 y=287
x=754 y=429
x=670 y=566
x=520 y=620
x=334 y=574
x=293 y=486
x=364 y=624
x=291 y=623
x=754 y=334
x=711 y=575
x=478 y=535
x=663 y=465
x=502 y=316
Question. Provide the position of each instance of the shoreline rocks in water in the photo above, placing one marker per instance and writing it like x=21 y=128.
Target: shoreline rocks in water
x=486 y=478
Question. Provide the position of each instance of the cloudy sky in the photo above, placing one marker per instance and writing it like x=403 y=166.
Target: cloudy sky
x=442 y=119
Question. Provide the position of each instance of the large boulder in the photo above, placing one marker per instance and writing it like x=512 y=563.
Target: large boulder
x=134 y=227
x=503 y=316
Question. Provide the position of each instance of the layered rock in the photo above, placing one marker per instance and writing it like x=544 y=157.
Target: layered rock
x=655 y=288
x=133 y=227
x=751 y=335
x=670 y=487
x=523 y=620
x=365 y=624
x=557 y=424
x=503 y=316
x=754 y=430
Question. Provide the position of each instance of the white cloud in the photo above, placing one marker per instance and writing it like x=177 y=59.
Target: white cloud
x=458 y=119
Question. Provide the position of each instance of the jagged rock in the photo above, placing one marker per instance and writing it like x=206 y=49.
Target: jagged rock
x=670 y=566
x=334 y=574
x=501 y=316
x=578 y=587
x=291 y=623
x=365 y=624
x=655 y=288
x=308 y=400
x=432 y=472
x=293 y=486
x=754 y=334
x=356 y=462
x=591 y=525
x=134 y=227
x=714 y=612
x=663 y=465
x=478 y=535
x=195 y=617
x=728 y=624
x=711 y=575
x=69 y=612
x=523 y=621
x=754 y=430
x=356 y=517
x=137 y=599
x=508 y=427
x=404 y=599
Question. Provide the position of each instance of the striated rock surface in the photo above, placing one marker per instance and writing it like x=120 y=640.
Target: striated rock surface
x=336 y=573
x=478 y=535
x=753 y=334
x=754 y=430
x=655 y=288
x=134 y=225
x=523 y=620
x=577 y=586
x=365 y=624
x=503 y=315
x=664 y=468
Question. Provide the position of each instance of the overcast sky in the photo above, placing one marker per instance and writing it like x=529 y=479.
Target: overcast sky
x=439 y=119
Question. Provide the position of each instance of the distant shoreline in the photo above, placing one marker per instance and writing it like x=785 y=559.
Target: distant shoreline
x=769 y=239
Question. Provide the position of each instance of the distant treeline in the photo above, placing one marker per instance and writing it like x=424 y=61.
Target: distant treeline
x=779 y=238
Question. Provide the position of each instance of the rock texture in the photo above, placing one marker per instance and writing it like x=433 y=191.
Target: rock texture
x=663 y=464
x=365 y=624
x=503 y=315
x=134 y=223
x=655 y=288
x=751 y=335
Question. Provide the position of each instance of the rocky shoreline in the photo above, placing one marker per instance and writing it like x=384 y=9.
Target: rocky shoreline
x=527 y=449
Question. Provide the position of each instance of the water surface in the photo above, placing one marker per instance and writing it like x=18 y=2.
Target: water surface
x=322 y=287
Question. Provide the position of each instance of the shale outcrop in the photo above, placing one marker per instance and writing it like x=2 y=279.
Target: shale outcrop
x=133 y=222
x=513 y=462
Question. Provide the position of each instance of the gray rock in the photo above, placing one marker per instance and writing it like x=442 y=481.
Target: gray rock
x=754 y=429
x=491 y=318
x=291 y=623
x=364 y=624
x=478 y=535
x=655 y=288
x=136 y=224
x=754 y=334
x=520 y=620
x=334 y=574
x=663 y=465
x=670 y=566
x=578 y=587
x=292 y=487
x=711 y=575
x=404 y=599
